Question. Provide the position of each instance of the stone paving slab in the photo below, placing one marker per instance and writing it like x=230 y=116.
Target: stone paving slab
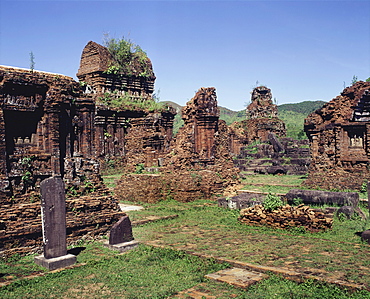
x=238 y=277
x=127 y=208
x=193 y=293
x=286 y=273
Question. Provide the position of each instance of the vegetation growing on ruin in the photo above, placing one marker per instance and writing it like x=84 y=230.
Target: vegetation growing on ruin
x=305 y=107
x=128 y=58
x=125 y=101
x=272 y=202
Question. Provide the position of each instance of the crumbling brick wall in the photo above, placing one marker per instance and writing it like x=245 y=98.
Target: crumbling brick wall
x=47 y=129
x=339 y=135
x=199 y=164
x=50 y=125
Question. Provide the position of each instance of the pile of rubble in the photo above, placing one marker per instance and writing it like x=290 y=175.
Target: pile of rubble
x=277 y=156
x=287 y=217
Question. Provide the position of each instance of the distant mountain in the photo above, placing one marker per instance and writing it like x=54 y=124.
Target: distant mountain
x=174 y=105
x=292 y=114
x=305 y=107
x=230 y=116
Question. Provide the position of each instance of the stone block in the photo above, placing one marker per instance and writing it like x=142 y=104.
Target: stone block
x=365 y=236
x=56 y=262
x=324 y=197
x=122 y=247
x=238 y=277
x=346 y=210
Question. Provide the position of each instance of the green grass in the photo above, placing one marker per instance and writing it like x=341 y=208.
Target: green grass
x=149 y=272
x=111 y=180
x=276 y=287
x=281 y=184
x=203 y=227
x=146 y=272
x=293 y=180
x=216 y=231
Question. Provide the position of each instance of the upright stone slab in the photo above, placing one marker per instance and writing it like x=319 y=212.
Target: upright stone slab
x=121 y=231
x=120 y=237
x=53 y=213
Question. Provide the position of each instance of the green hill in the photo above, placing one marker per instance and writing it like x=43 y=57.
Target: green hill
x=305 y=107
x=292 y=114
x=230 y=116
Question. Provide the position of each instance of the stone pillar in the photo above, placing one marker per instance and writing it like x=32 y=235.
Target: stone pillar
x=53 y=213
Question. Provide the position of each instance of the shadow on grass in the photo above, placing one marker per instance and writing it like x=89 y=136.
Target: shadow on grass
x=76 y=251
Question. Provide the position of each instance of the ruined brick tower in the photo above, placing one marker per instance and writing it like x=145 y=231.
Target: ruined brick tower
x=51 y=125
x=339 y=135
x=261 y=105
x=261 y=119
x=129 y=125
x=95 y=72
x=203 y=114
x=45 y=127
x=199 y=164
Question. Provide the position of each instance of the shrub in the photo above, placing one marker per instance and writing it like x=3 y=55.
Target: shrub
x=297 y=201
x=128 y=58
x=139 y=168
x=272 y=202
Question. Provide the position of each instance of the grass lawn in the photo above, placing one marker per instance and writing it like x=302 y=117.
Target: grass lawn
x=149 y=272
x=336 y=253
x=202 y=227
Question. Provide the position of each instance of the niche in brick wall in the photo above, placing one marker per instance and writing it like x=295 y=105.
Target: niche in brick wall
x=21 y=130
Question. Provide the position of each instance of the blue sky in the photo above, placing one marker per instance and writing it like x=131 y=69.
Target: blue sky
x=302 y=50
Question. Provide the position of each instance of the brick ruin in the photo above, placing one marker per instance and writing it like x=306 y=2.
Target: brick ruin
x=261 y=105
x=261 y=118
x=263 y=147
x=278 y=156
x=339 y=135
x=199 y=164
x=129 y=127
x=52 y=125
x=47 y=130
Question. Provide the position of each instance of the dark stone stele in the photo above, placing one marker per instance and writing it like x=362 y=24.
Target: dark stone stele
x=121 y=231
x=53 y=213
